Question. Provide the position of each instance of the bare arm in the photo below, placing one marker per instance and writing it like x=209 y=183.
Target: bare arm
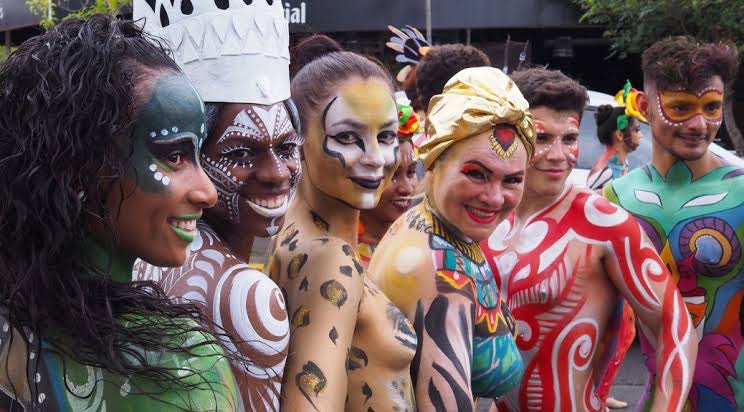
x=441 y=368
x=639 y=274
x=322 y=305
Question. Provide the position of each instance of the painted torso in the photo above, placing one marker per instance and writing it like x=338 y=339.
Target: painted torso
x=698 y=228
x=420 y=260
x=607 y=168
x=335 y=308
x=243 y=301
x=52 y=382
x=552 y=268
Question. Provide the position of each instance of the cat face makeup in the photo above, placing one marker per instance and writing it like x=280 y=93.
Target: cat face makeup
x=252 y=156
x=352 y=151
x=678 y=107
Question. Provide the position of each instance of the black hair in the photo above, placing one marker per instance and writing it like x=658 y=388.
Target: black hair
x=440 y=64
x=606 y=117
x=69 y=97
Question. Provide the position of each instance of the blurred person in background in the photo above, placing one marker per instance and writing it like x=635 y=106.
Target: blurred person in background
x=619 y=129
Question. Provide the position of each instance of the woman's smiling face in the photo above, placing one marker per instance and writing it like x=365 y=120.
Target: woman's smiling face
x=252 y=156
x=473 y=188
x=156 y=205
x=351 y=150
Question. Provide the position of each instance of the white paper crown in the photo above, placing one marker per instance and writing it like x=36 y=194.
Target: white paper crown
x=234 y=51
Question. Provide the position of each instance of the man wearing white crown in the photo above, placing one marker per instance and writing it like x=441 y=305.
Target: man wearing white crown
x=237 y=57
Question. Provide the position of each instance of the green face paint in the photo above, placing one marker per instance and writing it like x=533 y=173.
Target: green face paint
x=170 y=125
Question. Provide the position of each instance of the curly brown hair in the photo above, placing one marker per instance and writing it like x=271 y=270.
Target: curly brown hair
x=440 y=64
x=552 y=89
x=685 y=62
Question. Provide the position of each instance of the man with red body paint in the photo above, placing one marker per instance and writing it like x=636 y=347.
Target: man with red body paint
x=565 y=257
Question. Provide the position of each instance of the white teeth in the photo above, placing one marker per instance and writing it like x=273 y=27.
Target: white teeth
x=275 y=206
x=269 y=202
x=401 y=203
x=184 y=224
x=481 y=213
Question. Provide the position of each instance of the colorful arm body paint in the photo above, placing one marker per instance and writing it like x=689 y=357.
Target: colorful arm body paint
x=561 y=270
x=696 y=226
x=243 y=301
x=444 y=286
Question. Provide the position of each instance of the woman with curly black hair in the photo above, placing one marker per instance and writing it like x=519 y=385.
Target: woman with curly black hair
x=99 y=139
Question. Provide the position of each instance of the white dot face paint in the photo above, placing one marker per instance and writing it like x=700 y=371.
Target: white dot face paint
x=252 y=157
x=684 y=122
x=556 y=150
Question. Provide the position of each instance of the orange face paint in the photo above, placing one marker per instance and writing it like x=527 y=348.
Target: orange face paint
x=678 y=107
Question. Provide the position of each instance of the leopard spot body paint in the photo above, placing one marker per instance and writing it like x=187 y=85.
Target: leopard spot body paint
x=334 y=292
x=311 y=381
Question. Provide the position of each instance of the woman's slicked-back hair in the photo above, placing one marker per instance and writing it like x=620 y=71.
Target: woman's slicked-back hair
x=315 y=82
x=68 y=101
x=309 y=49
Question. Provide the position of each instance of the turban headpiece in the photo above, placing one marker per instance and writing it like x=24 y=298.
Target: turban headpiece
x=475 y=101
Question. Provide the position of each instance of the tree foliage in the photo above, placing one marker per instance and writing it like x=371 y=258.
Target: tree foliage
x=633 y=25
x=62 y=7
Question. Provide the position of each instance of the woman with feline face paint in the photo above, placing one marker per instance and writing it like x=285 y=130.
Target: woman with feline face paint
x=479 y=139
x=350 y=347
x=100 y=135
x=252 y=155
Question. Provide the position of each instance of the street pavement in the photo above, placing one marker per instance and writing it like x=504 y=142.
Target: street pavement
x=628 y=385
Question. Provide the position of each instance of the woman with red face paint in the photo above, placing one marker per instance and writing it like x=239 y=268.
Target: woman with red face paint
x=396 y=199
x=101 y=134
x=480 y=136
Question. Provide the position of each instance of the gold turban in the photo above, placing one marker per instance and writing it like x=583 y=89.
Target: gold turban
x=474 y=101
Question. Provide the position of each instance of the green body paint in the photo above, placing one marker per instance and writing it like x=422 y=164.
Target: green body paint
x=204 y=379
x=173 y=120
x=697 y=226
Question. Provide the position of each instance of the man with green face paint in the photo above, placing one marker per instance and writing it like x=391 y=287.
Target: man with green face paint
x=100 y=167
x=689 y=202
